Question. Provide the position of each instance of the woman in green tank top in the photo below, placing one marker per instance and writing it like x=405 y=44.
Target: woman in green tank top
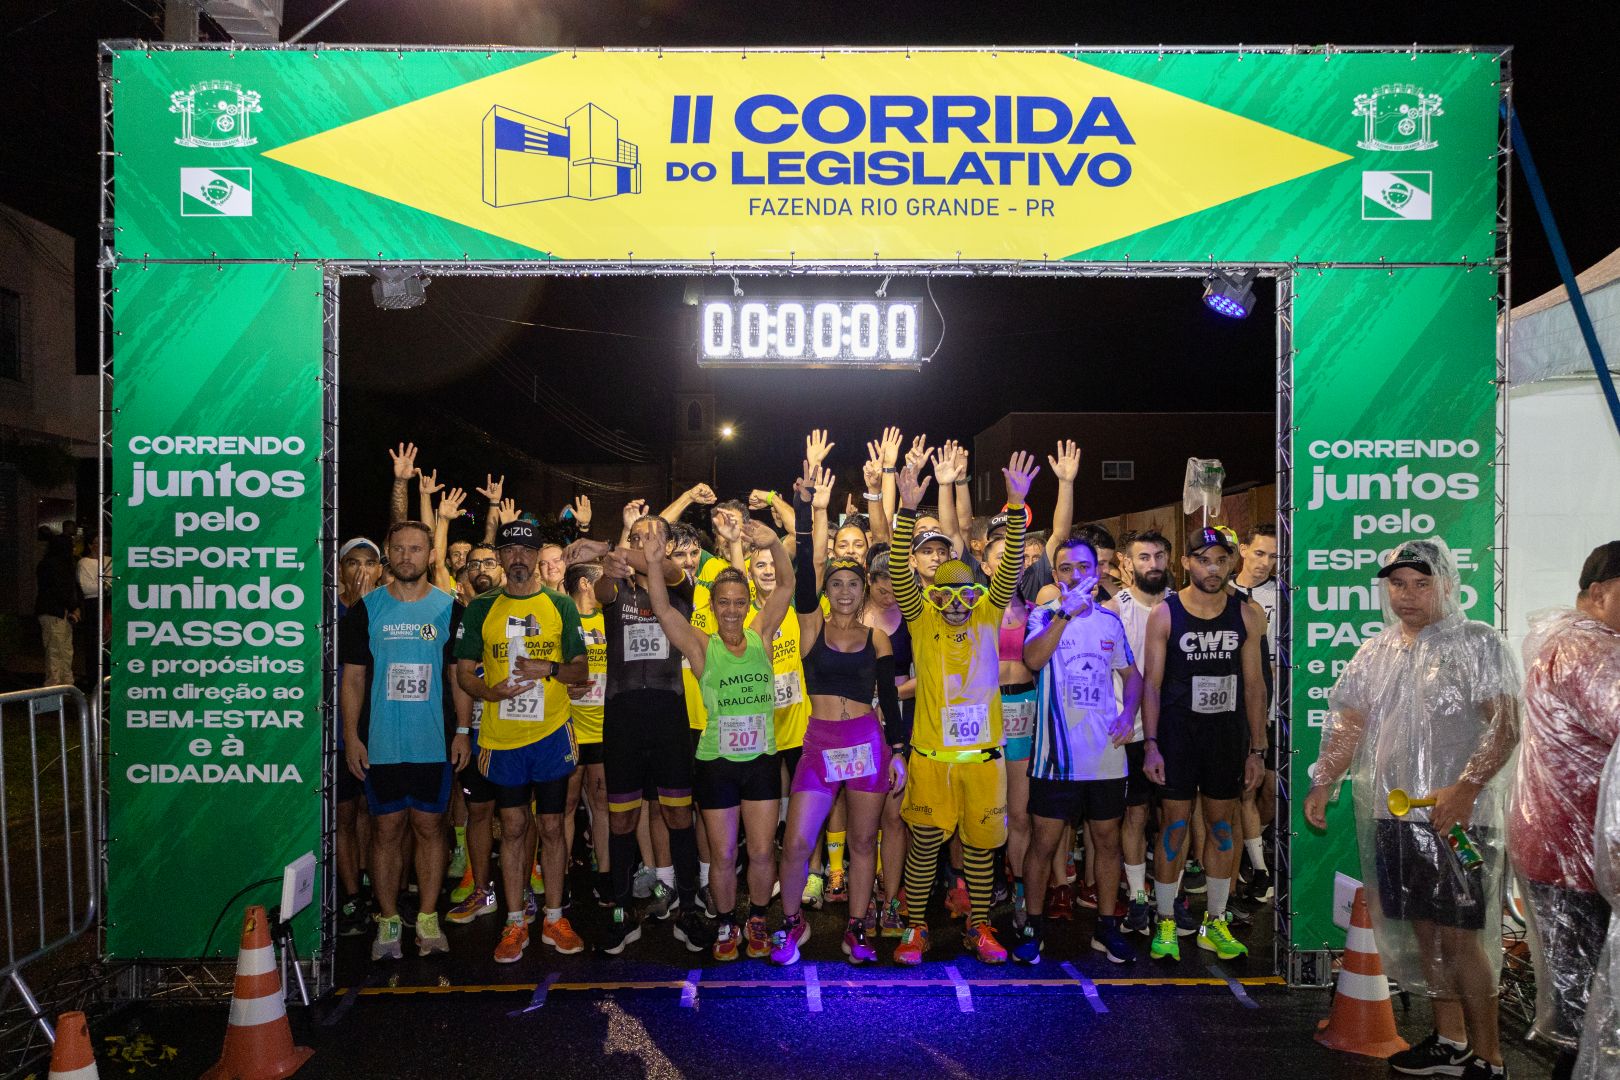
x=737 y=772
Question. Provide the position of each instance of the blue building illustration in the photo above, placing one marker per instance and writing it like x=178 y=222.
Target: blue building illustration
x=527 y=159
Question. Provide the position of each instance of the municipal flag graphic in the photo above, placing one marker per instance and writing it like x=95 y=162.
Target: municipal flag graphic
x=1397 y=196
x=216 y=192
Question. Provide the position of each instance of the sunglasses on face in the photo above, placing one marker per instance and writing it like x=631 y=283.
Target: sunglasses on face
x=967 y=595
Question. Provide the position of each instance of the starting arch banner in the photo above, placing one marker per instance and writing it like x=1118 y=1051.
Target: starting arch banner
x=1372 y=175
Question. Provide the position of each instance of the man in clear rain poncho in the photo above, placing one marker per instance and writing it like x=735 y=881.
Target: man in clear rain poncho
x=1600 y=1042
x=1429 y=708
x=1571 y=724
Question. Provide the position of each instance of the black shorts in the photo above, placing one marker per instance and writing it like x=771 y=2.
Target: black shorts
x=646 y=744
x=423 y=786
x=790 y=761
x=475 y=786
x=1076 y=800
x=1203 y=755
x=549 y=796
x=723 y=784
x=1570 y=926
x=1139 y=789
x=590 y=753
x=1416 y=882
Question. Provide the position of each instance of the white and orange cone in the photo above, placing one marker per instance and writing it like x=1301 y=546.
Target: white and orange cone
x=1362 y=1020
x=258 y=1042
x=72 y=1058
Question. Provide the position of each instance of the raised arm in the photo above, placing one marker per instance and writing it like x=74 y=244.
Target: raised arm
x=807 y=572
x=964 y=495
x=776 y=605
x=901 y=578
x=449 y=510
x=728 y=534
x=889 y=447
x=427 y=486
x=692 y=642
x=404 y=460
x=491 y=491
x=946 y=464
x=1020 y=473
x=876 y=513
x=701 y=494
x=1065 y=466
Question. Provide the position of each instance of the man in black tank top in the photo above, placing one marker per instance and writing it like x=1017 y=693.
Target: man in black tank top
x=1204 y=716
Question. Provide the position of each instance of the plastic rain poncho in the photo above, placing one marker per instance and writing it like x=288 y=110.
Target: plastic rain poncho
x=1419 y=715
x=1571 y=722
x=1600 y=1041
x=1201 y=491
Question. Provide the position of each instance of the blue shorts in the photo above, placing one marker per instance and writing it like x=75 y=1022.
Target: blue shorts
x=518 y=774
x=409 y=785
x=1018 y=748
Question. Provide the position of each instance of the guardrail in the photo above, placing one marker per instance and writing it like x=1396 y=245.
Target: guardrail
x=50 y=891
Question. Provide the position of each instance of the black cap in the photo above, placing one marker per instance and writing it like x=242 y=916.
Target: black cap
x=1199 y=539
x=999 y=522
x=1602 y=565
x=520 y=533
x=1419 y=555
x=930 y=534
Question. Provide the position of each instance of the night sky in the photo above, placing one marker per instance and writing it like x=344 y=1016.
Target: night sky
x=615 y=348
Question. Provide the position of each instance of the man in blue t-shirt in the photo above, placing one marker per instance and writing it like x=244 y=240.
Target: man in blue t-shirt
x=396 y=649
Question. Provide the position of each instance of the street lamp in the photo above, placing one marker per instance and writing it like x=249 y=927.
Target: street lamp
x=725 y=433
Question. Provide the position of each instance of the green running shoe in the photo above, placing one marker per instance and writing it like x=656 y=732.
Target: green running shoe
x=1215 y=936
x=386 y=947
x=465 y=888
x=1165 y=942
x=537 y=881
x=458 y=864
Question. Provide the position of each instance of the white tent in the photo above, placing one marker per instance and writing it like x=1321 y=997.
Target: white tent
x=1563 y=452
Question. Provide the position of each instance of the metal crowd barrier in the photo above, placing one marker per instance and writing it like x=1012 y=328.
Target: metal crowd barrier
x=49 y=879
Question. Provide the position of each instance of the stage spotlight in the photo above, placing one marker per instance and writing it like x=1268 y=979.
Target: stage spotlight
x=1230 y=294
x=396 y=288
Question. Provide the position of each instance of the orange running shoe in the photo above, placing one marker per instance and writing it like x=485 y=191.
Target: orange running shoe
x=913 y=947
x=981 y=942
x=758 y=933
x=560 y=936
x=726 y=940
x=514 y=939
x=956 y=900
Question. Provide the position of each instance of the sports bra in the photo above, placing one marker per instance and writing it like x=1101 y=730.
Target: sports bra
x=1010 y=643
x=851 y=675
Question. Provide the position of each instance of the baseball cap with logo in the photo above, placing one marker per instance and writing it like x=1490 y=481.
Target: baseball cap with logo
x=930 y=534
x=1602 y=565
x=999 y=522
x=1199 y=539
x=519 y=533
x=1419 y=555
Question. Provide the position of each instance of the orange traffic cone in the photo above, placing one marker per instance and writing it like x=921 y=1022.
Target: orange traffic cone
x=1362 y=1021
x=72 y=1058
x=258 y=1042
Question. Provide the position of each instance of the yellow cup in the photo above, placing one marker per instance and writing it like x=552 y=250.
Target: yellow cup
x=1401 y=804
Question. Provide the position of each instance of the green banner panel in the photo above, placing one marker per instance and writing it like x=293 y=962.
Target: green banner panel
x=214 y=772
x=1395 y=434
x=805 y=155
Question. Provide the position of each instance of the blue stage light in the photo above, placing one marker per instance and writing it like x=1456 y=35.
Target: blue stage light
x=1230 y=294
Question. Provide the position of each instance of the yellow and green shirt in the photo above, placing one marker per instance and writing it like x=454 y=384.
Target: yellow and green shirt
x=702 y=618
x=586 y=712
x=546 y=627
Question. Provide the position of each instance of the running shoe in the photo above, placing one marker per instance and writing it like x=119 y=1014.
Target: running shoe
x=913 y=946
x=642 y=883
x=1194 y=880
x=560 y=935
x=1215 y=936
x=837 y=888
x=353 y=919
x=1069 y=871
x=386 y=946
x=786 y=941
x=705 y=900
x=429 y=937
x=758 y=933
x=531 y=908
x=957 y=902
x=622 y=930
x=603 y=899
x=1027 y=946
x=1431 y=1057
x=1187 y=923
x=1000 y=895
x=1165 y=941
x=981 y=942
x=478 y=902
x=1260 y=887
x=458 y=864
x=1108 y=940
x=1480 y=1069
x=870 y=921
x=814 y=892
x=694 y=931
x=465 y=888
x=1239 y=917
x=1085 y=894
x=664 y=903
x=537 y=880
x=1139 y=916
x=1020 y=911
x=514 y=939
x=856 y=946
x=1060 y=903
x=892 y=919
x=726 y=941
